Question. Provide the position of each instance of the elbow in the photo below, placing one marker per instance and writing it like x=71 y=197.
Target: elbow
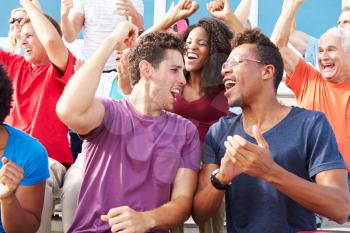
x=63 y=112
x=342 y=217
x=342 y=208
x=198 y=214
x=281 y=43
x=68 y=37
x=199 y=220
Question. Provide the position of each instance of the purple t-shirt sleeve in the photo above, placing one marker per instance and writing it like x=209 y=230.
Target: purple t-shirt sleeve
x=111 y=115
x=190 y=155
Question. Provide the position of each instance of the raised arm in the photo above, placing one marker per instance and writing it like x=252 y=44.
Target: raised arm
x=222 y=10
x=281 y=33
x=182 y=10
x=171 y=214
x=37 y=4
x=48 y=35
x=71 y=22
x=243 y=11
x=299 y=39
x=77 y=107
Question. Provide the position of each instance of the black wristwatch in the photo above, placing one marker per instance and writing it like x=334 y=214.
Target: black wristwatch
x=216 y=183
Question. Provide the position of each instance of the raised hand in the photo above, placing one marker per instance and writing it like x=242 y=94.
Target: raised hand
x=125 y=35
x=10 y=177
x=228 y=171
x=66 y=5
x=183 y=9
x=220 y=9
x=126 y=219
x=255 y=160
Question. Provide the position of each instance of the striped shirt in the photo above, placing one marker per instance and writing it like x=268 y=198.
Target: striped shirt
x=100 y=19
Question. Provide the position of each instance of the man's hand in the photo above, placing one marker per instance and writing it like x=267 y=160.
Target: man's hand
x=125 y=35
x=255 y=160
x=125 y=219
x=220 y=9
x=66 y=5
x=183 y=9
x=228 y=171
x=10 y=177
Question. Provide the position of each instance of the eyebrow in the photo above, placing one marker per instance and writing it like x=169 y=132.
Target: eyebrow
x=332 y=47
x=177 y=66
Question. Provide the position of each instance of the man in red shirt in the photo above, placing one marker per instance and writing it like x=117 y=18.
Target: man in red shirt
x=38 y=80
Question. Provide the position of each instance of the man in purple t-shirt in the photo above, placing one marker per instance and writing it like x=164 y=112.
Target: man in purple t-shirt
x=141 y=161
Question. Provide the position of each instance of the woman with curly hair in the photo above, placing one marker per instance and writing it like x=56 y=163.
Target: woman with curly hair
x=207 y=46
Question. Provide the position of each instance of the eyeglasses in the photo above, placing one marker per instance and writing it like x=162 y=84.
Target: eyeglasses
x=14 y=19
x=236 y=60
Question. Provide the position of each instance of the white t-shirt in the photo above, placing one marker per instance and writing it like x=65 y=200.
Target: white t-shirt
x=101 y=19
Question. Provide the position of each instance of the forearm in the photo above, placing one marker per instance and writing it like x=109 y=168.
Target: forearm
x=206 y=202
x=68 y=31
x=329 y=201
x=243 y=10
x=234 y=23
x=44 y=29
x=171 y=214
x=37 y=4
x=137 y=20
x=281 y=32
x=16 y=219
x=168 y=20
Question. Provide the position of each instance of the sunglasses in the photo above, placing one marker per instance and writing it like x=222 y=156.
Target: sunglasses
x=179 y=26
x=13 y=20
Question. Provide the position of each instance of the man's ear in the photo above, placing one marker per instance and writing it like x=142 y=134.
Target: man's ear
x=146 y=69
x=268 y=72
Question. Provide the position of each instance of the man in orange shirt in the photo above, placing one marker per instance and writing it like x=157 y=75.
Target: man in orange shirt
x=327 y=90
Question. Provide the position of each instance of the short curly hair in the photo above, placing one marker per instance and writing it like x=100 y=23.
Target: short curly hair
x=267 y=51
x=152 y=48
x=6 y=91
x=220 y=37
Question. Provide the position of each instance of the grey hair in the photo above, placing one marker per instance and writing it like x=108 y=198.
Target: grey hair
x=343 y=34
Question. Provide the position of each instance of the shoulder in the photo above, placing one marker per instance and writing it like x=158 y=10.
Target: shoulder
x=179 y=121
x=226 y=122
x=307 y=115
x=25 y=141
